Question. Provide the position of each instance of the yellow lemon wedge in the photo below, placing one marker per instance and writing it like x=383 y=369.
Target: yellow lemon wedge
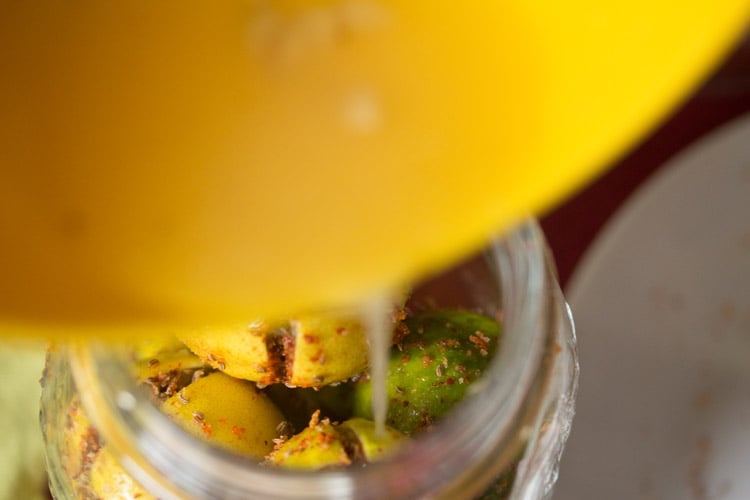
x=199 y=161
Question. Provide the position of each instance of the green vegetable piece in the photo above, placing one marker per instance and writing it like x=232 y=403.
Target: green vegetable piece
x=430 y=371
x=318 y=446
x=93 y=471
x=167 y=371
x=110 y=480
x=229 y=413
x=325 y=445
x=80 y=440
x=307 y=351
x=371 y=447
x=327 y=349
x=247 y=351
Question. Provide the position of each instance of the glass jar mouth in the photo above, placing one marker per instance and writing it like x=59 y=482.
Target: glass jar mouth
x=489 y=428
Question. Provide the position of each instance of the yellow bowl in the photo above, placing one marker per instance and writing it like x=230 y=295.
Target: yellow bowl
x=183 y=161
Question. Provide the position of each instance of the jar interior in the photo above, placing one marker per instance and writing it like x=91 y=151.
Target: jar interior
x=483 y=436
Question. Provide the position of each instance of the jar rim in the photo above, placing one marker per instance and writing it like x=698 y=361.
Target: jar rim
x=515 y=379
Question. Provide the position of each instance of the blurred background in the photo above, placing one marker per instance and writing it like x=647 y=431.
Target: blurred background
x=655 y=261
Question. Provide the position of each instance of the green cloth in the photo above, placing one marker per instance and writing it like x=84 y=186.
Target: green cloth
x=22 y=472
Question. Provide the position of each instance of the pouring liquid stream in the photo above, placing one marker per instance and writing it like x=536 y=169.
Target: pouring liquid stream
x=376 y=312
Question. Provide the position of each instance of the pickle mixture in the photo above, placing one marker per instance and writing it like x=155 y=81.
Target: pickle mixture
x=296 y=393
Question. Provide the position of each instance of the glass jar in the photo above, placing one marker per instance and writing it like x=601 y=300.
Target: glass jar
x=504 y=440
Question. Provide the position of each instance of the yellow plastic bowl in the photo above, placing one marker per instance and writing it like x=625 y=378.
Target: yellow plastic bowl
x=200 y=161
